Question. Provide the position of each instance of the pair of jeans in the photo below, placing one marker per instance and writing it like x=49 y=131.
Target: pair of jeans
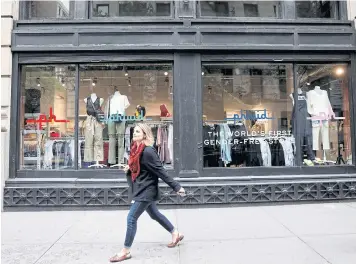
x=137 y=208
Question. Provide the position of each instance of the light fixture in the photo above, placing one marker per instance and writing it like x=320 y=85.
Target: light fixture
x=125 y=71
x=165 y=73
x=62 y=81
x=340 y=71
x=38 y=82
x=202 y=73
x=95 y=81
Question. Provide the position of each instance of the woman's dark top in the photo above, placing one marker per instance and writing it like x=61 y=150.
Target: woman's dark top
x=145 y=186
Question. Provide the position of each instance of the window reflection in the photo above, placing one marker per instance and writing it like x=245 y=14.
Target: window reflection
x=240 y=8
x=51 y=9
x=246 y=115
x=47 y=116
x=112 y=99
x=131 y=8
x=316 y=9
x=323 y=113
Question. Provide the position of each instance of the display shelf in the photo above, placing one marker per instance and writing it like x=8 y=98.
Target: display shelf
x=24 y=132
x=31 y=158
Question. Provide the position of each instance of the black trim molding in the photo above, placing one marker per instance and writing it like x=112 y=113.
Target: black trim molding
x=69 y=196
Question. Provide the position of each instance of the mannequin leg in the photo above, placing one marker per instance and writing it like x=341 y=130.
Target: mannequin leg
x=112 y=142
x=120 y=128
x=325 y=135
x=98 y=142
x=89 y=137
x=316 y=132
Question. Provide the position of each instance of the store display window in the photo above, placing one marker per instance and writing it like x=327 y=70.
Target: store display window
x=112 y=99
x=323 y=110
x=247 y=115
x=254 y=116
x=47 y=117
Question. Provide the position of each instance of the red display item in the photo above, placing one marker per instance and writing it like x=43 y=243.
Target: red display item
x=164 y=111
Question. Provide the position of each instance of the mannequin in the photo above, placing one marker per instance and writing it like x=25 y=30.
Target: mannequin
x=304 y=126
x=319 y=107
x=292 y=95
x=115 y=108
x=140 y=111
x=93 y=148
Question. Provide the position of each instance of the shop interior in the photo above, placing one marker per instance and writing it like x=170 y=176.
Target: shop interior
x=136 y=93
x=251 y=117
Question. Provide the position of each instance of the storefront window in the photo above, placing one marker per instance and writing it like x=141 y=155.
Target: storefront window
x=112 y=99
x=47 y=113
x=316 y=9
x=240 y=8
x=323 y=113
x=59 y=9
x=131 y=8
x=247 y=115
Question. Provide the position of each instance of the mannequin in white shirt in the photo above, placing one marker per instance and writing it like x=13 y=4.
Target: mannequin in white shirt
x=319 y=107
x=94 y=148
x=116 y=107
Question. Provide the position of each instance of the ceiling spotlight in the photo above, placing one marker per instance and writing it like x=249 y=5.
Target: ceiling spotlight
x=340 y=71
x=165 y=73
x=95 y=81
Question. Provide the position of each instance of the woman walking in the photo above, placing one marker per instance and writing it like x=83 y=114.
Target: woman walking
x=143 y=171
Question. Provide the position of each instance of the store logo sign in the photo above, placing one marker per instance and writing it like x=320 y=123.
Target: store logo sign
x=120 y=118
x=43 y=119
x=249 y=115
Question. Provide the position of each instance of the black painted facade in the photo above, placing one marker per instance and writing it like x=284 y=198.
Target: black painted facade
x=185 y=42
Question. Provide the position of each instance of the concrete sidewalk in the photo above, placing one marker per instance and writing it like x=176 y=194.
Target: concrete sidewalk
x=289 y=234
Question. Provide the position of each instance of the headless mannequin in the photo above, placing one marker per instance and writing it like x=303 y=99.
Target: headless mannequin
x=319 y=106
x=304 y=127
x=117 y=105
x=291 y=95
x=93 y=98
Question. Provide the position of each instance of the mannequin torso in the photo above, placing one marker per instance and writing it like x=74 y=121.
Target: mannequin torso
x=319 y=103
x=300 y=92
x=118 y=104
x=93 y=97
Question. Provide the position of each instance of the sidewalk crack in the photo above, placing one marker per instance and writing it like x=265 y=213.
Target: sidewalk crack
x=53 y=244
x=297 y=236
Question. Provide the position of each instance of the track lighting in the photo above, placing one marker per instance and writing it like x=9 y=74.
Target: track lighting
x=95 y=81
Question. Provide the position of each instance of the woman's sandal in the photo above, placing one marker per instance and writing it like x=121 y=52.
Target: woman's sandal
x=175 y=243
x=120 y=257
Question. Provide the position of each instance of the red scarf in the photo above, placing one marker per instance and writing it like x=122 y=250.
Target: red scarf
x=134 y=160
